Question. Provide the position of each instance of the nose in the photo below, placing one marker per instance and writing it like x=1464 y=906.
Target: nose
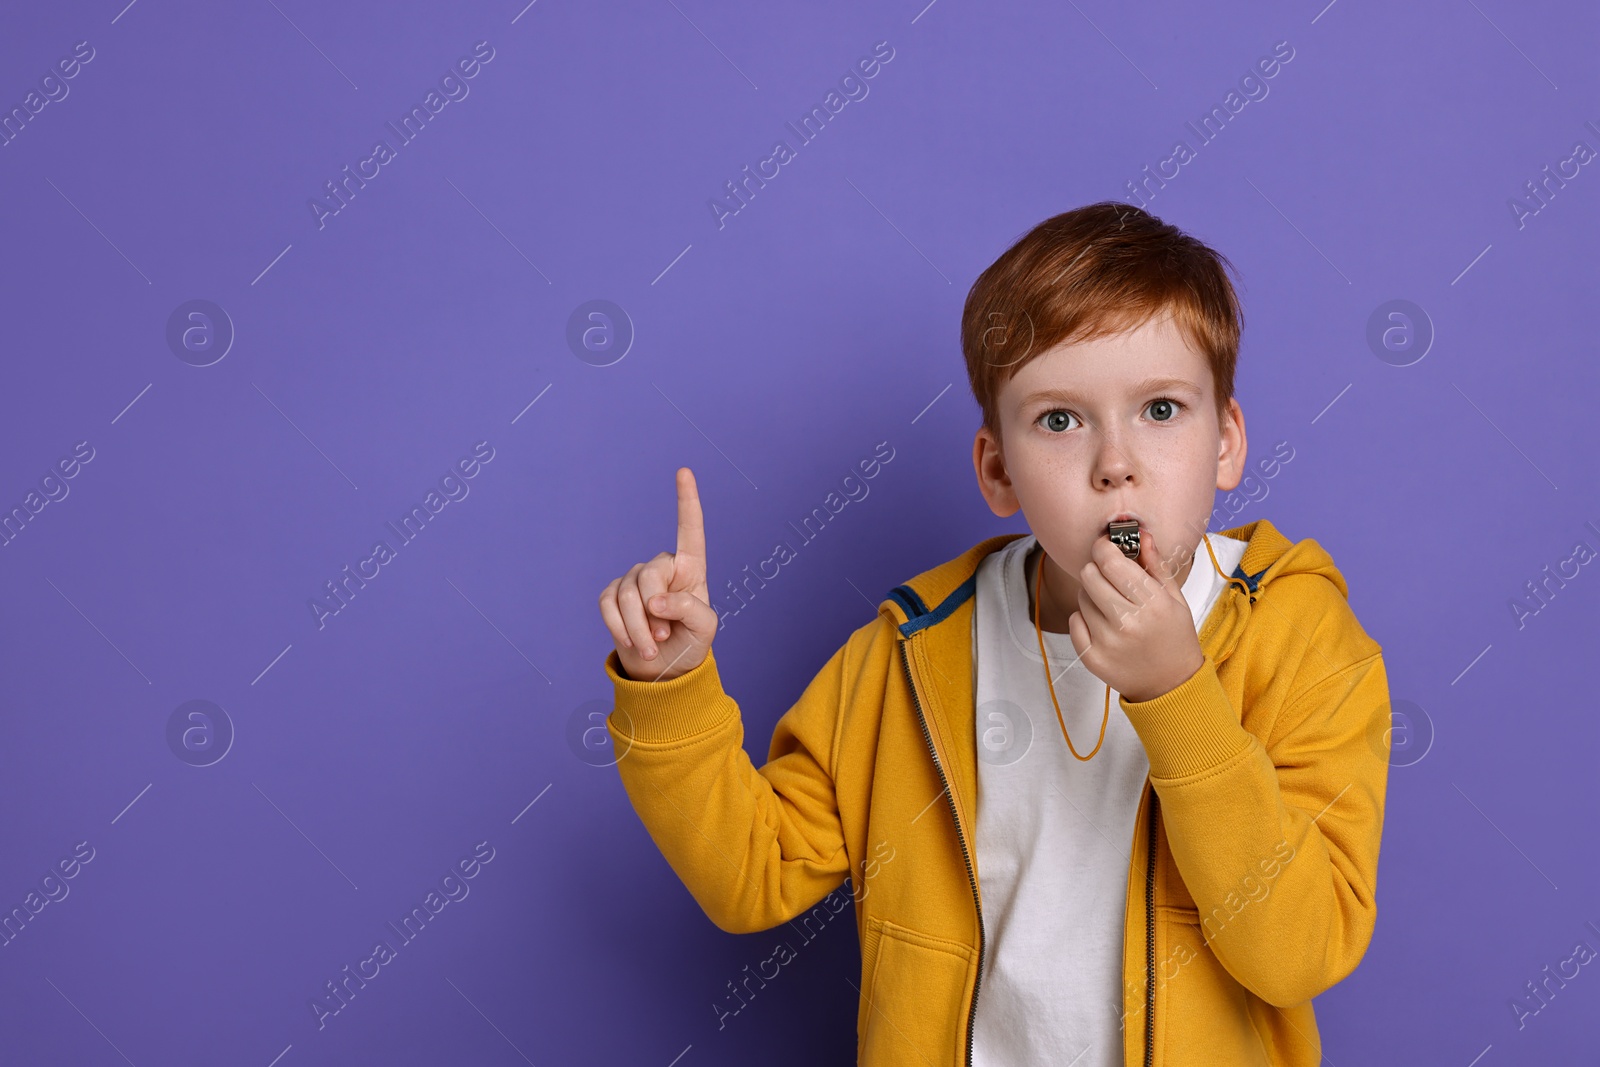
x=1113 y=465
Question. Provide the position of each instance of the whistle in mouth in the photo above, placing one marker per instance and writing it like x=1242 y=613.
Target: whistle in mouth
x=1125 y=535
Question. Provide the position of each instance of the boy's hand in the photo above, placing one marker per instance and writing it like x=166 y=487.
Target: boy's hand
x=659 y=613
x=1133 y=629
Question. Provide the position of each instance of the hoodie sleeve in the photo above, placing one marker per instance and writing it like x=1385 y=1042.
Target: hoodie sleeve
x=755 y=847
x=1307 y=802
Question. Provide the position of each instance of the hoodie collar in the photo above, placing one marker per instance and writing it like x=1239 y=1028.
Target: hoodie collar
x=936 y=594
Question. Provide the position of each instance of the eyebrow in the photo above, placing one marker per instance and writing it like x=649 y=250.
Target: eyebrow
x=1149 y=385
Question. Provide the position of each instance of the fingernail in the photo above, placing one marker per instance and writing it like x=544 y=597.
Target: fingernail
x=661 y=634
x=657 y=603
x=649 y=653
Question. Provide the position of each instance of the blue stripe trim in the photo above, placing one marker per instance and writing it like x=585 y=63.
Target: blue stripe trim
x=908 y=600
x=1252 y=580
x=922 y=617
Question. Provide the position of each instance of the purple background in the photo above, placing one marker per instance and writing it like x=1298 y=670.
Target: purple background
x=770 y=355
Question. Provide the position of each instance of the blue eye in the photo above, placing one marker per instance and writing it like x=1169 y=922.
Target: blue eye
x=1169 y=405
x=1054 y=419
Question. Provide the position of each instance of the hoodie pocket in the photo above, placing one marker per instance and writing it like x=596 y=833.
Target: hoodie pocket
x=1202 y=1012
x=914 y=997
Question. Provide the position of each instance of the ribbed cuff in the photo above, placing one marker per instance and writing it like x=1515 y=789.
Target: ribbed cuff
x=1190 y=728
x=656 y=712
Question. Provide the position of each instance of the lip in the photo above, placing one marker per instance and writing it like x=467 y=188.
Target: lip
x=1125 y=516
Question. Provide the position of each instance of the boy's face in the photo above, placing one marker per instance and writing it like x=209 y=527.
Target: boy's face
x=1123 y=425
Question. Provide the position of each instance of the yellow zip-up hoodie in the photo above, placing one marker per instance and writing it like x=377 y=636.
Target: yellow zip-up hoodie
x=1252 y=882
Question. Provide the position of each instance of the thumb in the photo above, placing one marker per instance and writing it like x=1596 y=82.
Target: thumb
x=685 y=607
x=1166 y=573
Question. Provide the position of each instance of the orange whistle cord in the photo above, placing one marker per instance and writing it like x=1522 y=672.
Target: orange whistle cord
x=1038 y=630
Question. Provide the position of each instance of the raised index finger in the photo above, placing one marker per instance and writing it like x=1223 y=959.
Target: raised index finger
x=691 y=524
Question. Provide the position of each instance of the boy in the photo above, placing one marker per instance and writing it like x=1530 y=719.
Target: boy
x=1172 y=892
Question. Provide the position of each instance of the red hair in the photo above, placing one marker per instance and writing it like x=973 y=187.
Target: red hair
x=1092 y=272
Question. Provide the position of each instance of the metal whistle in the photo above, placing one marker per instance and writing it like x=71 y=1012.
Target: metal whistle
x=1125 y=535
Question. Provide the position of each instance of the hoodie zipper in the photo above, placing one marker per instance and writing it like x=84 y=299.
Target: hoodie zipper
x=1150 y=918
x=1150 y=937
x=972 y=878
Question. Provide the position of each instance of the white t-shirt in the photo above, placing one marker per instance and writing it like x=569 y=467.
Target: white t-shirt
x=1054 y=833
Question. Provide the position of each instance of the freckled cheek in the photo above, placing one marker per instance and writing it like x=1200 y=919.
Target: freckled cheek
x=1065 y=475
x=1177 y=460
x=1048 y=463
x=1188 y=482
x=1055 y=487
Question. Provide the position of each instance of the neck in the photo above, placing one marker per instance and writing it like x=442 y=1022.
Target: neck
x=1060 y=590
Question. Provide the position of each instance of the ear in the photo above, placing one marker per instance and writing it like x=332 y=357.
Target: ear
x=993 y=481
x=1232 y=447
